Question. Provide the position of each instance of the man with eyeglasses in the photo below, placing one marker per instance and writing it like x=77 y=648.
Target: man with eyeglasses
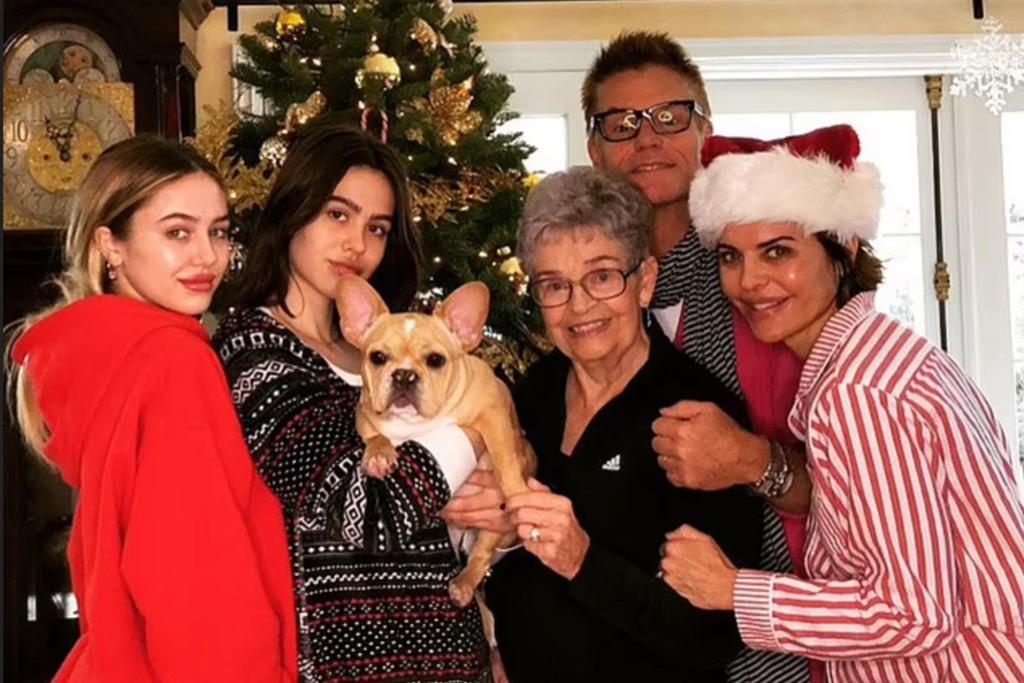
x=648 y=115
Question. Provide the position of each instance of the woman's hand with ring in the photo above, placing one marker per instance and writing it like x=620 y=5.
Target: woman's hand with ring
x=549 y=529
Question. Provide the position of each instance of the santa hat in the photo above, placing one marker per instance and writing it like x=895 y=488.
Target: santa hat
x=812 y=179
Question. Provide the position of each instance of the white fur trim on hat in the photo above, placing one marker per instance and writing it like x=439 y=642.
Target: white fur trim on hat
x=776 y=185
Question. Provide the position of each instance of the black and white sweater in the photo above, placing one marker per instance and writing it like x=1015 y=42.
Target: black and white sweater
x=371 y=560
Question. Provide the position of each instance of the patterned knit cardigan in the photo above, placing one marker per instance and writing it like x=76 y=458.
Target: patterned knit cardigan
x=371 y=560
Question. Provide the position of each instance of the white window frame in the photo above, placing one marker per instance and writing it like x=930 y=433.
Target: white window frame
x=969 y=147
x=988 y=353
x=906 y=93
x=246 y=98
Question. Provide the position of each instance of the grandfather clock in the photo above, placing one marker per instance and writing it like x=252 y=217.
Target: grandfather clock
x=96 y=71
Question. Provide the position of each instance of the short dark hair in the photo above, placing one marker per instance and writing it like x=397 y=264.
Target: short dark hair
x=632 y=50
x=318 y=160
x=861 y=272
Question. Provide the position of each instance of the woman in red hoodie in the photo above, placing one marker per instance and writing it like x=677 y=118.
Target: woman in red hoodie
x=177 y=551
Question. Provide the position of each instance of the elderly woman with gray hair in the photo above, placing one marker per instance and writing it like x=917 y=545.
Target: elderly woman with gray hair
x=581 y=600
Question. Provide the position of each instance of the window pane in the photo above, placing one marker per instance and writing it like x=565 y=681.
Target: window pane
x=763 y=126
x=1018 y=385
x=548 y=135
x=247 y=99
x=901 y=294
x=888 y=139
x=1013 y=170
x=1013 y=190
x=1016 y=254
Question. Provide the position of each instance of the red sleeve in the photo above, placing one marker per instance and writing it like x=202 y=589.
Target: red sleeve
x=205 y=556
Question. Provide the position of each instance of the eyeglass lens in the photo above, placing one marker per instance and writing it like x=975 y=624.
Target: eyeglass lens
x=603 y=283
x=672 y=117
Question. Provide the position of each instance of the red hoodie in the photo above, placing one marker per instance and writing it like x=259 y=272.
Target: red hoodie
x=178 y=553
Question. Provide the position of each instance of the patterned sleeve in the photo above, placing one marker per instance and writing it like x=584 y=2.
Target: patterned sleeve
x=902 y=598
x=300 y=428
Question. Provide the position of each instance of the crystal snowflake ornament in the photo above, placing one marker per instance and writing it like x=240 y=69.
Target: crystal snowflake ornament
x=990 y=66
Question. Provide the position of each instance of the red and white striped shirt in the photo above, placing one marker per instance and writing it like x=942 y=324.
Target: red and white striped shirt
x=915 y=539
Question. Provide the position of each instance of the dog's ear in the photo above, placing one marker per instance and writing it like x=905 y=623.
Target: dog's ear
x=465 y=313
x=359 y=306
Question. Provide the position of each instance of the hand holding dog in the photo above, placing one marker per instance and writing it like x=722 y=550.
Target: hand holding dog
x=549 y=529
x=696 y=568
x=478 y=505
x=700 y=447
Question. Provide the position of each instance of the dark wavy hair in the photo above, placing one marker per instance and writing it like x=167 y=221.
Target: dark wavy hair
x=860 y=272
x=318 y=160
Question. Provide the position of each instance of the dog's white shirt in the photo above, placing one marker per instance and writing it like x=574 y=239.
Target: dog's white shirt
x=398 y=429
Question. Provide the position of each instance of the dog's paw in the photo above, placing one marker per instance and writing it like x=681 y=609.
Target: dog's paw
x=379 y=459
x=460 y=591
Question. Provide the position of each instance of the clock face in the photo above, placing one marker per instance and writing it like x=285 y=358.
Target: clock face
x=60 y=53
x=52 y=135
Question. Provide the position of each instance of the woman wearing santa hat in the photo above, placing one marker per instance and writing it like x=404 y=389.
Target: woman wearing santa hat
x=915 y=545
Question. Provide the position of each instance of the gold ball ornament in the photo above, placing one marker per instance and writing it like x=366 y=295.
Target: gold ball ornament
x=531 y=180
x=512 y=266
x=379 y=70
x=513 y=270
x=273 y=151
x=290 y=24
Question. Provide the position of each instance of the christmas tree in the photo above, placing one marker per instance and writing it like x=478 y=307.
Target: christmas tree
x=410 y=73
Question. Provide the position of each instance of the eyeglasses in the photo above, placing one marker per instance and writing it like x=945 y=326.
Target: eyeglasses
x=667 y=118
x=600 y=284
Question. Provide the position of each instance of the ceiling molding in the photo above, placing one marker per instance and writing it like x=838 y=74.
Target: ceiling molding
x=726 y=19
x=755 y=58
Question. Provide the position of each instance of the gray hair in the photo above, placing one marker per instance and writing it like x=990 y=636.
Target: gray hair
x=585 y=197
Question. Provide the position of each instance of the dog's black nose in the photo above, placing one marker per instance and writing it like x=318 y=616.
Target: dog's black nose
x=404 y=379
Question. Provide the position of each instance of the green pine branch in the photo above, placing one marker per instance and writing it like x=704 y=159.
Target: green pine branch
x=327 y=57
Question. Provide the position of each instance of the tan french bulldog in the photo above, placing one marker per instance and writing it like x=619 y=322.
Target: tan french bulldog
x=417 y=372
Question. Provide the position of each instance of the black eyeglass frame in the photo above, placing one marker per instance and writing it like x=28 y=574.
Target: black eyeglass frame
x=596 y=122
x=574 y=283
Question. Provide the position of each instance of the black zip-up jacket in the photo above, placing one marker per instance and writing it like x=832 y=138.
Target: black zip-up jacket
x=616 y=621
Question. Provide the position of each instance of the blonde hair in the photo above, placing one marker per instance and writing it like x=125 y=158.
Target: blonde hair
x=120 y=181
